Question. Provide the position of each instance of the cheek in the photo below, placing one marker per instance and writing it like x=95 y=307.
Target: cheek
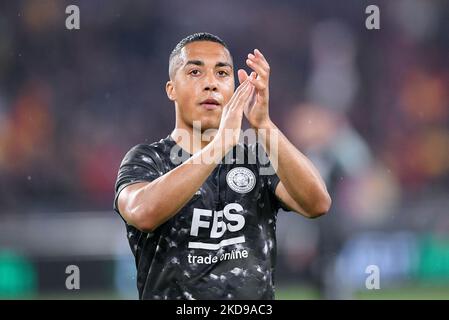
x=228 y=91
x=187 y=90
x=187 y=103
x=186 y=96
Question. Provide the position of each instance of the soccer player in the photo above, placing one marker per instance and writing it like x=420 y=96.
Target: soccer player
x=206 y=229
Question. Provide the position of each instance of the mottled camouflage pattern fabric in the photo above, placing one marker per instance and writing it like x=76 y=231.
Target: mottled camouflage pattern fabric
x=221 y=244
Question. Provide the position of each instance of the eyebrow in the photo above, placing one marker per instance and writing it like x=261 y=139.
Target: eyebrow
x=201 y=63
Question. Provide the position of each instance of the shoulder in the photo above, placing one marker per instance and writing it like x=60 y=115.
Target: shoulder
x=160 y=146
x=148 y=153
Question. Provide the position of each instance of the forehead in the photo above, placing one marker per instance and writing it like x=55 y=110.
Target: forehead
x=206 y=51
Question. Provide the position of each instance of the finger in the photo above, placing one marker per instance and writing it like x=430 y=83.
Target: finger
x=258 y=57
x=242 y=85
x=246 y=97
x=244 y=94
x=252 y=76
x=238 y=93
x=234 y=98
x=244 y=100
x=251 y=97
x=240 y=88
x=241 y=96
x=257 y=67
x=259 y=84
x=242 y=75
x=236 y=110
x=260 y=62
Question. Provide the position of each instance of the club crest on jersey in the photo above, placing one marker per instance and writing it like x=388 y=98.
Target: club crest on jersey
x=241 y=180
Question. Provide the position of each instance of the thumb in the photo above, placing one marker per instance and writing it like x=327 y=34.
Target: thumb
x=242 y=75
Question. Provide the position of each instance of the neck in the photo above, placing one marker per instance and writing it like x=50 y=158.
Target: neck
x=191 y=139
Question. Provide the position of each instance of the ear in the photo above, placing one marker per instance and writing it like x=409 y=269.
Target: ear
x=170 y=89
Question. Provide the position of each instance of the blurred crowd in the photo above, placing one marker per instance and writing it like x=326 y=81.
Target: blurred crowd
x=370 y=107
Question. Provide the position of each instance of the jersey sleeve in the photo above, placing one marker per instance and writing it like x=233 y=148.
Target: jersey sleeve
x=141 y=163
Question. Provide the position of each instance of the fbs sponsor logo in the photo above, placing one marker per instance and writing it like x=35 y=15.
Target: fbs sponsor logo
x=228 y=220
x=241 y=180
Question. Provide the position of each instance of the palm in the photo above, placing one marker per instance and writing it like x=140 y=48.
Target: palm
x=254 y=112
x=257 y=110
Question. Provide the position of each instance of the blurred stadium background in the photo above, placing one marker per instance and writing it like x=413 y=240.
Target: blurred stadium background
x=370 y=108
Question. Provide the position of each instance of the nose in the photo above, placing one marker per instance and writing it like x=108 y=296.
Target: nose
x=210 y=83
x=210 y=88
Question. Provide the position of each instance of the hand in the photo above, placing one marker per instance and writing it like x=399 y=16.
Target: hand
x=257 y=113
x=231 y=118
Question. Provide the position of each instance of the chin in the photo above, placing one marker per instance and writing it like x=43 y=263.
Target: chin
x=208 y=126
x=209 y=123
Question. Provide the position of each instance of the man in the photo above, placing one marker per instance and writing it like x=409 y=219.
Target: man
x=203 y=226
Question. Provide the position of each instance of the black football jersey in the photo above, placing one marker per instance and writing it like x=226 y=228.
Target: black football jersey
x=222 y=243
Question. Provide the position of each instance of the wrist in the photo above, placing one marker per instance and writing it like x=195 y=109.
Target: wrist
x=267 y=134
x=265 y=126
x=222 y=144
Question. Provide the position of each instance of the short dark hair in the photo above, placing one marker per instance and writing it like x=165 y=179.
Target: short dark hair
x=200 y=36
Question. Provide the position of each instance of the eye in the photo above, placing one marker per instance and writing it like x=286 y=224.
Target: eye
x=222 y=73
x=194 y=72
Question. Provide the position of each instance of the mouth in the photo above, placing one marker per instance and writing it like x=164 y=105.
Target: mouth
x=210 y=104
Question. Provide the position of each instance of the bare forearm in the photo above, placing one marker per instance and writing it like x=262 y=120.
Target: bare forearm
x=145 y=205
x=299 y=176
x=148 y=205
